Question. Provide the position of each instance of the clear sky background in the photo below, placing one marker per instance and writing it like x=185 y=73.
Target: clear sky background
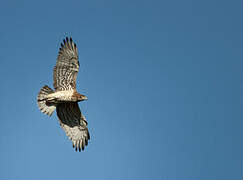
x=164 y=81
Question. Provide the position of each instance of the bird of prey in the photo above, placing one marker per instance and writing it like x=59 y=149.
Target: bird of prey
x=64 y=99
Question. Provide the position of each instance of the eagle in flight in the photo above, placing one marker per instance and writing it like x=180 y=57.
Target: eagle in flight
x=64 y=99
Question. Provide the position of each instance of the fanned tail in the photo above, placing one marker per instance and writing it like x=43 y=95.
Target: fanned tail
x=44 y=106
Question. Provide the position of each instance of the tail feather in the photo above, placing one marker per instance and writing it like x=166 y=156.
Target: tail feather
x=44 y=106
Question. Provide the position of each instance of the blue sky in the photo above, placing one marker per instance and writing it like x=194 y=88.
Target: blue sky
x=163 y=78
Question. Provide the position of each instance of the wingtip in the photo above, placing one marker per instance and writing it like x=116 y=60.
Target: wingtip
x=80 y=146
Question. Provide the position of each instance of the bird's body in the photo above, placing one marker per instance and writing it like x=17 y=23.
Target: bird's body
x=62 y=96
x=65 y=98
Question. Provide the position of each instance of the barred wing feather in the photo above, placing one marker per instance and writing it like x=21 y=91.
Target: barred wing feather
x=74 y=124
x=67 y=66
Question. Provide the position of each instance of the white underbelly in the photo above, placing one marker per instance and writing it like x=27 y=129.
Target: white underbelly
x=61 y=95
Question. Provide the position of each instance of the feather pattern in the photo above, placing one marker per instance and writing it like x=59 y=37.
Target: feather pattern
x=74 y=124
x=67 y=66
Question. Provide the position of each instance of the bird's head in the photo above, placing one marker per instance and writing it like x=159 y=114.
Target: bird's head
x=79 y=97
x=82 y=97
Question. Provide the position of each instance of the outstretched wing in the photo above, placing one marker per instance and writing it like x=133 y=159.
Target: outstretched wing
x=74 y=124
x=67 y=66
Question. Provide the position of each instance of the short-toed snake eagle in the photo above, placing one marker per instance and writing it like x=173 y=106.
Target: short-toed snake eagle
x=65 y=97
